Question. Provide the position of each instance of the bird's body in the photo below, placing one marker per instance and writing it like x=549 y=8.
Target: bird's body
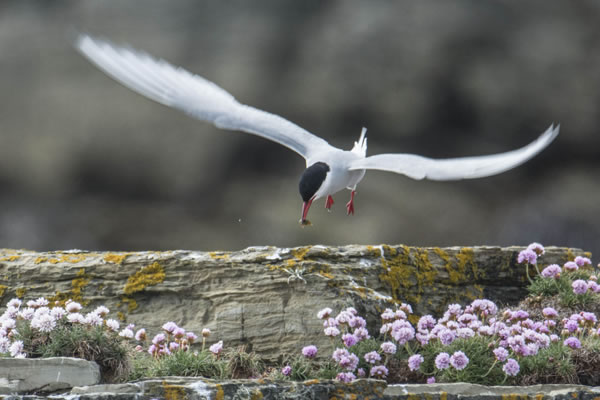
x=328 y=169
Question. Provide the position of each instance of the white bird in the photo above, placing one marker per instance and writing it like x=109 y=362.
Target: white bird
x=328 y=169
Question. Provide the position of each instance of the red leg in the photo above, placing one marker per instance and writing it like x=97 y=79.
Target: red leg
x=329 y=202
x=350 y=204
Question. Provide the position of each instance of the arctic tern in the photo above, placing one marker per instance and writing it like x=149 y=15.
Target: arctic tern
x=328 y=169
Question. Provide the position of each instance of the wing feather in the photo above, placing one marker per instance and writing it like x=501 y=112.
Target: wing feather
x=194 y=95
x=418 y=167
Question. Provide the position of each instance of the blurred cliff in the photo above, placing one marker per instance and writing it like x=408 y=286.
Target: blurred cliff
x=86 y=163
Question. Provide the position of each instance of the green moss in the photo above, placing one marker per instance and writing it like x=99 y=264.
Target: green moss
x=149 y=275
x=2 y=290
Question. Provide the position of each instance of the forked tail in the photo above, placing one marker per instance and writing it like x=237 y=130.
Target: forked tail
x=360 y=147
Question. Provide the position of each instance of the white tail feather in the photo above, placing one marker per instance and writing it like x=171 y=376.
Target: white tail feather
x=360 y=147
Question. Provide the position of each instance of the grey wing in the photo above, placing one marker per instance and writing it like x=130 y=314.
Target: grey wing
x=194 y=95
x=418 y=167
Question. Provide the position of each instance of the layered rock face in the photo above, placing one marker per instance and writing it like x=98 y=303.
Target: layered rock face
x=267 y=297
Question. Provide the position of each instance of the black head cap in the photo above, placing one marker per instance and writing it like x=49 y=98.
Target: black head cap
x=311 y=180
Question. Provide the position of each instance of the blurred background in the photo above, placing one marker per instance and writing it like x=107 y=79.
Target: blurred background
x=86 y=163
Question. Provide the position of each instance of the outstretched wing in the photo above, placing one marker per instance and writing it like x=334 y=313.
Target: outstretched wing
x=418 y=167
x=194 y=95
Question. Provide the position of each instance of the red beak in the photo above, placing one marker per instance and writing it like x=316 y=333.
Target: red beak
x=305 y=207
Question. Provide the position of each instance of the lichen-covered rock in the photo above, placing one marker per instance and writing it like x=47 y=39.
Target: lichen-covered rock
x=24 y=375
x=268 y=297
x=200 y=388
x=469 y=391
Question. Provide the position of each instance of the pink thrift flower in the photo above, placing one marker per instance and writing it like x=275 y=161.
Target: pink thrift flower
x=72 y=306
x=579 y=286
x=126 y=333
x=414 y=362
x=459 y=360
x=550 y=312
x=112 y=324
x=572 y=342
x=16 y=348
x=349 y=339
x=379 y=371
x=101 y=311
x=339 y=353
x=426 y=322
x=372 y=357
x=361 y=334
x=442 y=361
x=191 y=337
x=179 y=333
x=332 y=331
x=388 y=348
x=361 y=373
x=310 y=351
x=511 y=367
x=349 y=362
x=159 y=339
x=537 y=248
x=446 y=336
x=287 y=370
x=431 y=380
x=527 y=256
x=551 y=271
x=14 y=303
x=324 y=313
x=216 y=348
x=581 y=261
x=140 y=335
x=501 y=354
x=571 y=266
x=388 y=315
x=345 y=377
x=170 y=327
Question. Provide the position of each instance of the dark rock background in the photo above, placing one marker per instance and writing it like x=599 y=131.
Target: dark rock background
x=86 y=163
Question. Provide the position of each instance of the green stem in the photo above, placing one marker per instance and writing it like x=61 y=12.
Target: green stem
x=490 y=370
x=527 y=272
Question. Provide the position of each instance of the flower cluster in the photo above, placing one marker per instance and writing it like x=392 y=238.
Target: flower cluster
x=555 y=271
x=513 y=335
x=44 y=318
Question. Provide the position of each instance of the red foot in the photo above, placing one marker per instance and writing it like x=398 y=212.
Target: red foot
x=350 y=204
x=329 y=202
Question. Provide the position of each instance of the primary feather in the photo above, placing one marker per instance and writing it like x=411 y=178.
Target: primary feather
x=194 y=95
x=418 y=167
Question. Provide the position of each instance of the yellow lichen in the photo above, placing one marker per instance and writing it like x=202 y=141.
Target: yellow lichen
x=131 y=303
x=218 y=255
x=220 y=395
x=76 y=293
x=40 y=260
x=150 y=275
x=3 y=289
x=407 y=271
x=115 y=258
x=72 y=258
x=121 y=316
x=173 y=392
x=20 y=292
x=300 y=252
x=256 y=395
